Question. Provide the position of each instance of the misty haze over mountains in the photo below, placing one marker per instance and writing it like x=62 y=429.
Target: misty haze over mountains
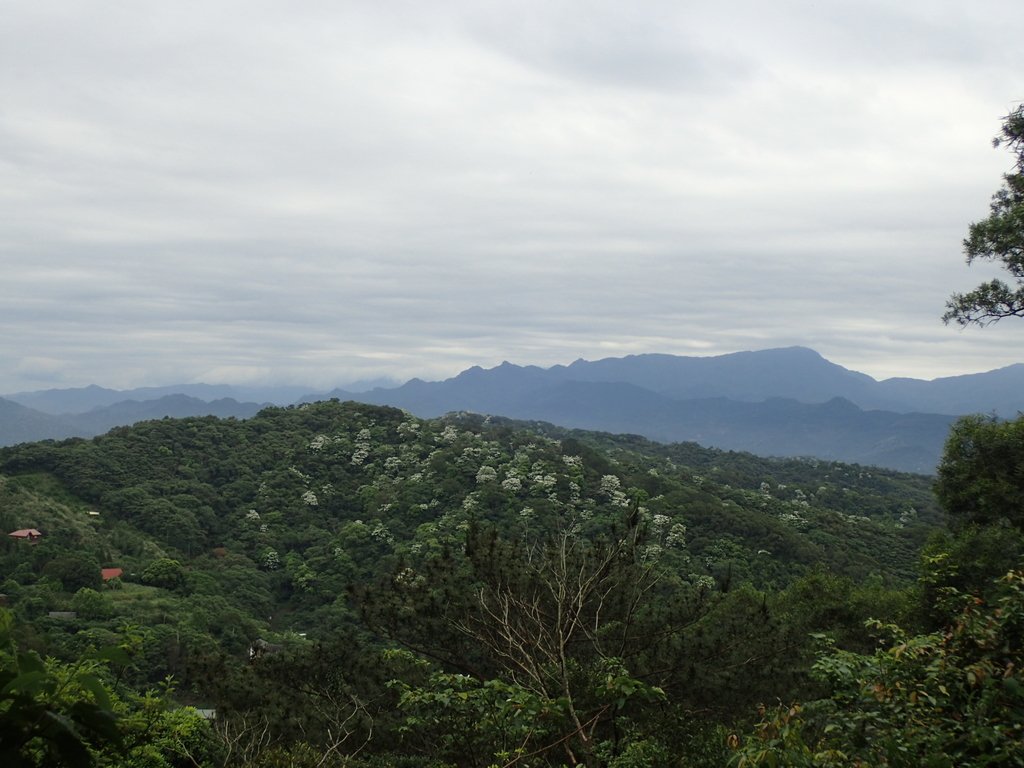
x=776 y=402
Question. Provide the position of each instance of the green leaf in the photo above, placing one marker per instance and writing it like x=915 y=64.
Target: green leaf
x=112 y=653
x=29 y=682
x=99 y=692
x=30 y=662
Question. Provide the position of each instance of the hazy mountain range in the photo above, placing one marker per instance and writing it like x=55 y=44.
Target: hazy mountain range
x=781 y=402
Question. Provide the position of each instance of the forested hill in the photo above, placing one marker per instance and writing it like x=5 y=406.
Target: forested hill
x=338 y=530
x=293 y=480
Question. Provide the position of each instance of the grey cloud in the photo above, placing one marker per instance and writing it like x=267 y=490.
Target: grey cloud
x=611 y=44
x=341 y=190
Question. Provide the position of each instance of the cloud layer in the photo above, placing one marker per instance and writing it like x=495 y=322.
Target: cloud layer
x=325 y=192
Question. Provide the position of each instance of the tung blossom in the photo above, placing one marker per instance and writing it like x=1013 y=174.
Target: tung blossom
x=512 y=484
x=676 y=536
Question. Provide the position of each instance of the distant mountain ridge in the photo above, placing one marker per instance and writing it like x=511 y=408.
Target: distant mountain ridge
x=836 y=430
x=795 y=373
x=79 y=400
x=100 y=420
x=788 y=401
x=19 y=424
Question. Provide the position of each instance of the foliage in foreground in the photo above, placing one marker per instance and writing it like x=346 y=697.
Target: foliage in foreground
x=947 y=699
x=75 y=714
x=981 y=475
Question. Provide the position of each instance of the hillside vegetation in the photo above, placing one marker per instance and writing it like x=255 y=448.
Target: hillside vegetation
x=350 y=585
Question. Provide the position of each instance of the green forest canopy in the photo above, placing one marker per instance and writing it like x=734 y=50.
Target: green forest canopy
x=458 y=591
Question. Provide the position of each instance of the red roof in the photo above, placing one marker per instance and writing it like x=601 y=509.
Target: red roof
x=110 y=573
x=26 y=533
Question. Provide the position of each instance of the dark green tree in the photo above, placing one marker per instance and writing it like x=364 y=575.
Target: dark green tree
x=165 y=572
x=949 y=698
x=74 y=572
x=981 y=475
x=1000 y=239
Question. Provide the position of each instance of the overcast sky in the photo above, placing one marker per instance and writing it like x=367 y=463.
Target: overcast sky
x=317 y=192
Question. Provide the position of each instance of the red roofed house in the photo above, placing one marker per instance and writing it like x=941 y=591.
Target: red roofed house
x=29 y=534
x=111 y=573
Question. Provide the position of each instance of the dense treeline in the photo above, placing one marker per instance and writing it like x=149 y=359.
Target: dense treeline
x=349 y=585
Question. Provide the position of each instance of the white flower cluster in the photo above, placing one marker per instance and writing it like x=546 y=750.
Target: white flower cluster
x=573 y=462
x=407 y=577
x=381 y=533
x=310 y=498
x=486 y=474
x=362 y=448
x=650 y=552
x=470 y=456
x=574 y=492
x=408 y=428
x=704 y=582
x=512 y=484
x=252 y=514
x=856 y=519
x=611 y=488
x=793 y=518
x=318 y=442
x=543 y=481
x=449 y=434
x=676 y=536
